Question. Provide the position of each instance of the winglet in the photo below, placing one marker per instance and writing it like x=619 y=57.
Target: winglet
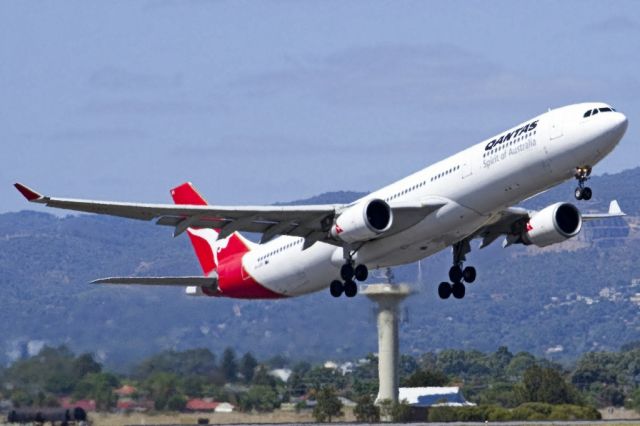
x=614 y=209
x=28 y=193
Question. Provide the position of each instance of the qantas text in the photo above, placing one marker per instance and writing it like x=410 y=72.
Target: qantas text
x=506 y=137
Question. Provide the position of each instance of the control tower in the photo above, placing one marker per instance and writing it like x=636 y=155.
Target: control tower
x=388 y=298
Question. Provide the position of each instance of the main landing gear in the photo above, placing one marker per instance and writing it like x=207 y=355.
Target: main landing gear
x=348 y=272
x=582 y=175
x=458 y=274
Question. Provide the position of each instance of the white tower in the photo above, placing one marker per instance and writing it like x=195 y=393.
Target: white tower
x=388 y=298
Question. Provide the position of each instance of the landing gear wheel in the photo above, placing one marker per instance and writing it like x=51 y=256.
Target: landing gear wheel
x=455 y=274
x=346 y=272
x=469 y=274
x=444 y=290
x=458 y=290
x=336 y=288
x=350 y=289
x=582 y=175
x=361 y=272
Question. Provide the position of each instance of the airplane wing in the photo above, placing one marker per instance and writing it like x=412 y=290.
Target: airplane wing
x=270 y=220
x=311 y=222
x=209 y=282
x=513 y=220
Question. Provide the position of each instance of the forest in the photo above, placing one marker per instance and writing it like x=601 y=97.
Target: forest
x=504 y=385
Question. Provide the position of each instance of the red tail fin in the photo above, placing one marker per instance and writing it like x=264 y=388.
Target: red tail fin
x=208 y=248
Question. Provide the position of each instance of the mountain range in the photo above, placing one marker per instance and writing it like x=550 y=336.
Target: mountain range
x=578 y=296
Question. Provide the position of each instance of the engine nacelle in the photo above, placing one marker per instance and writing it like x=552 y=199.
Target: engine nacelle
x=553 y=224
x=363 y=221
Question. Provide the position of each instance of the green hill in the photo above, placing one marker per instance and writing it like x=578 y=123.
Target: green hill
x=559 y=302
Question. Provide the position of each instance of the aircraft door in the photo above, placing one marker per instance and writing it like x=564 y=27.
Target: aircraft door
x=555 y=124
x=466 y=170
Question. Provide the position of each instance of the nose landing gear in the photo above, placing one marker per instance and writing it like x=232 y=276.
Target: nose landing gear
x=583 y=192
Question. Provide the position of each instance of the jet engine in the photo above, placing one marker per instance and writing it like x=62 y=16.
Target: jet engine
x=553 y=224
x=363 y=221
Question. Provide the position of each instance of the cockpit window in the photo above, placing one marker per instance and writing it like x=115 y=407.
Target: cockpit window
x=595 y=111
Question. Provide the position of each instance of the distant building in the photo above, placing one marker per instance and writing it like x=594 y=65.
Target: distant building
x=130 y=404
x=125 y=391
x=224 y=407
x=202 y=404
x=281 y=373
x=86 y=404
x=433 y=396
x=347 y=402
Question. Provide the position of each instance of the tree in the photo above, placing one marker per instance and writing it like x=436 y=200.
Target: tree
x=422 y=378
x=399 y=412
x=263 y=378
x=161 y=387
x=366 y=411
x=229 y=365
x=634 y=400
x=192 y=362
x=176 y=403
x=545 y=385
x=99 y=387
x=260 y=398
x=85 y=364
x=248 y=365
x=328 y=405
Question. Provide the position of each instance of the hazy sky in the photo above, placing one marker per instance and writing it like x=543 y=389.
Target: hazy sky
x=257 y=102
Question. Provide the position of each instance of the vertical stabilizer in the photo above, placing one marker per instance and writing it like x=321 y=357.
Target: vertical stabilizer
x=209 y=249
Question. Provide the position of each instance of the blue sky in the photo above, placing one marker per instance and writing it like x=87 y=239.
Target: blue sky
x=257 y=102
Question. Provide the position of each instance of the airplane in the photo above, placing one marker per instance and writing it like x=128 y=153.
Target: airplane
x=469 y=195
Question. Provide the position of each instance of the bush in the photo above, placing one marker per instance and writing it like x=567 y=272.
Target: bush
x=574 y=412
x=525 y=412
x=328 y=405
x=177 y=403
x=366 y=411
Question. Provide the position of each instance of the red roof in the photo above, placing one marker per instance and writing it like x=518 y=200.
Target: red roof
x=126 y=390
x=130 y=404
x=85 y=404
x=197 y=404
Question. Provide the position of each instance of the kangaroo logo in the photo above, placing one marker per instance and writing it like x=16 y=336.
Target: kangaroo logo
x=211 y=237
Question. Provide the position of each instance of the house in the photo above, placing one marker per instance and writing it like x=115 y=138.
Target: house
x=130 y=404
x=224 y=407
x=281 y=373
x=125 y=391
x=86 y=404
x=434 y=396
x=201 y=404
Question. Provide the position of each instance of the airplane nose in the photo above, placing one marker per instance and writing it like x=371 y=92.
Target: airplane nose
x=617 y=124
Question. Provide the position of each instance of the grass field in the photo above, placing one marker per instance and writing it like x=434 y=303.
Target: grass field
x=105 y=419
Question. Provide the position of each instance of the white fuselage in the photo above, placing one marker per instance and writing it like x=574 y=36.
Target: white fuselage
x=476 y=184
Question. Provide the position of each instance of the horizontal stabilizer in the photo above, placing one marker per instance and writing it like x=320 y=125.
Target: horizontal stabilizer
x=614 y=211
x=209 y=282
